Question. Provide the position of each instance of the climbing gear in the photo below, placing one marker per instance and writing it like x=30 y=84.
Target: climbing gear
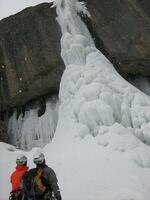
x=38 y=180
x=34 y=183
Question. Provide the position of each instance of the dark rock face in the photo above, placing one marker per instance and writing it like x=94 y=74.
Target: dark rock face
x=30 y=62
x=3 y=132
x=122 y=32
x=141 y=82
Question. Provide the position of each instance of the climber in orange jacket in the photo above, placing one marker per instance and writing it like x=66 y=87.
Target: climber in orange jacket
x=16 y=176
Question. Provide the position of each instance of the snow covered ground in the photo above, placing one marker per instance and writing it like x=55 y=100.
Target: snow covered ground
x=100 y=150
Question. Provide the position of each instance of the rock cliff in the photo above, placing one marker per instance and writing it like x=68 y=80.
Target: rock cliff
x=30 y=63
x=122 y=32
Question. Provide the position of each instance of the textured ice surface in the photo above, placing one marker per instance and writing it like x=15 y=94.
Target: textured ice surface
x=30 y=130
x=97 y=93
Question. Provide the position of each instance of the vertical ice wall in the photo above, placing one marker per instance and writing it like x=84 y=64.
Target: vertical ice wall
x=33 y=131
x=98 y=96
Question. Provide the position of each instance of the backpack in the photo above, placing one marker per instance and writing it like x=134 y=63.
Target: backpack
x=34 y=182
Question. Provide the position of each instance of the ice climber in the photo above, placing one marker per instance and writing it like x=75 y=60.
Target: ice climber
x=41 y=183
x=16 y=177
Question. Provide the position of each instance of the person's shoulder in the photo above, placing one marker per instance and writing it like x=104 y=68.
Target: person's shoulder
x=31 y=172
x=13 y=173
x=32 y=169
x=48 y=169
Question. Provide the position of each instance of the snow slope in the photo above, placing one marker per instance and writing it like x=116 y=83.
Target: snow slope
x=101 y=147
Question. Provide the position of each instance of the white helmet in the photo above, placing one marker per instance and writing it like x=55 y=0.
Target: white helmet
x=21 y=159
x=38 y=158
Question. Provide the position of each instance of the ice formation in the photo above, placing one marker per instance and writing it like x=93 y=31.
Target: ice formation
x=31 y=130
x=103 y=109
x=98 y=95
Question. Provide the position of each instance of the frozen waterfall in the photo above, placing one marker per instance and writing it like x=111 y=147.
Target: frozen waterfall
x=98 y=96
x=31 y=130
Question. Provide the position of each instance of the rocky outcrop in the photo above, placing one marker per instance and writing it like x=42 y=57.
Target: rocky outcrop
x=30 y=62
x=122 y=32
